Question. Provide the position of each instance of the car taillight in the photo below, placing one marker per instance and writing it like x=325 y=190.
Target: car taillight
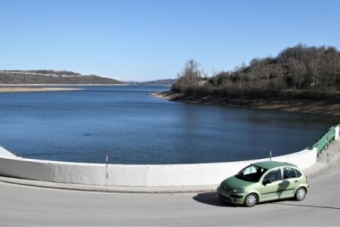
x=306 y=179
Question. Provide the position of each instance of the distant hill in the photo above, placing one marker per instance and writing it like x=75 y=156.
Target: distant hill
x=51 y=77
x=164 y=81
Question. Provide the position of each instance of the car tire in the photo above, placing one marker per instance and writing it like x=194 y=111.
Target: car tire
x=300 y=194
x=250 y=200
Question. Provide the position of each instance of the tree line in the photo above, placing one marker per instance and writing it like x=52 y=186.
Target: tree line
x=43 y=71
x=23 y=78
x=299 y=71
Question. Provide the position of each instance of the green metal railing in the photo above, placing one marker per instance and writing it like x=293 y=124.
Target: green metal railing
x=325 y=140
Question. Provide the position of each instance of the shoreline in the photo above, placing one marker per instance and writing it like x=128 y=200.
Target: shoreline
x=32 y=89
x=322 y=107
x=58 y=85
x=6 y=88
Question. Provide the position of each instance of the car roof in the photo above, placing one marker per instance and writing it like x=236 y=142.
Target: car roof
x=272 y=164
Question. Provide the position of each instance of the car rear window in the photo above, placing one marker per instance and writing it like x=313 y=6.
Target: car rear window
x=298 y=173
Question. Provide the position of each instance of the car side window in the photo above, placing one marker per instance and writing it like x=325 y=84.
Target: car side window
x=288 y=173
x=273 y=175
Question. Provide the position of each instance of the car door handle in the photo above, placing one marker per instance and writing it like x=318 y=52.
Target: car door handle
x=296 y=181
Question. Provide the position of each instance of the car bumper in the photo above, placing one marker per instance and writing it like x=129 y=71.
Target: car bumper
x=230 y=198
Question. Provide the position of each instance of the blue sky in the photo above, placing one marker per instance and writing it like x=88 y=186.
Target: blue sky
x=145 y=40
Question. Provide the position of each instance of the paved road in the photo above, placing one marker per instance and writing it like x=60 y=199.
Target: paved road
x=30 y=206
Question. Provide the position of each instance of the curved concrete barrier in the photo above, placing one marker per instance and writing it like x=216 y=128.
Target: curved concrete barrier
x=6 y=153
x=134 y=175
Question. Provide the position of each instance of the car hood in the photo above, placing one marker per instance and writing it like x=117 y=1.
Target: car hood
x=234 y=182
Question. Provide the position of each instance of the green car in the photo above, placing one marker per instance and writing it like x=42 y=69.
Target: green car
x=264 y=181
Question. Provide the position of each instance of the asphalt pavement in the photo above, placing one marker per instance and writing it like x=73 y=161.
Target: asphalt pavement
x=33 y=206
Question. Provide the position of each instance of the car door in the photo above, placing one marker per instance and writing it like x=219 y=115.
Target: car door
x=291 y=182
x=271 y=183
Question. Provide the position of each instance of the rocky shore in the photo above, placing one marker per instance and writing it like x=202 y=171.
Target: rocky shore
x=324 y=107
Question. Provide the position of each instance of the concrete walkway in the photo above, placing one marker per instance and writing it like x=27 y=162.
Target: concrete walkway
x=324 y=161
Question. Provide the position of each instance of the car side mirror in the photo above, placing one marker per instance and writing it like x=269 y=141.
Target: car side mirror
x=266 y=181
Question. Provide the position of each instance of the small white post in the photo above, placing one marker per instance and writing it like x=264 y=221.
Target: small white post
x=270 y=153
x=107 y=162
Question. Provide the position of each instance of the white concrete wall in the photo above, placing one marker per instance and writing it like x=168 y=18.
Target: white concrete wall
x=6 y=153
x=136 y=175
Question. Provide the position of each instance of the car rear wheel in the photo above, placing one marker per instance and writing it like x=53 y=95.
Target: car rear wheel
x=250 y=200
x=300 y=194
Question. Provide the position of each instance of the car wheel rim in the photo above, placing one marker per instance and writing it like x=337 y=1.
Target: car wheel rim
x=251 y=200
x=301 y=194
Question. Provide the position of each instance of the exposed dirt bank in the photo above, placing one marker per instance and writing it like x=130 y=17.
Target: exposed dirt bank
x=325 y=107
x=34 y=89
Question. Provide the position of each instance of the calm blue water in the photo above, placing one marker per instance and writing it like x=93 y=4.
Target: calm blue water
x=134 y=127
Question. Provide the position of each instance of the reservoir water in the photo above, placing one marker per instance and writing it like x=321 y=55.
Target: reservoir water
x=136 y=128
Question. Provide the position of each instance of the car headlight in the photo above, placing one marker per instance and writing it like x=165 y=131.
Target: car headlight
x=238 y=190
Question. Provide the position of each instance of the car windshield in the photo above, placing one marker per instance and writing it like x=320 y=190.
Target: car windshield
x=251 y=173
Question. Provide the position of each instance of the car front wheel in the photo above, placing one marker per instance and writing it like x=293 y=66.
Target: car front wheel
x=250 y=200
x=300 y=194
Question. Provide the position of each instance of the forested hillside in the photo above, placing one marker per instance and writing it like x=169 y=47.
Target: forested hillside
x=296 y=72
x=51 y=77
